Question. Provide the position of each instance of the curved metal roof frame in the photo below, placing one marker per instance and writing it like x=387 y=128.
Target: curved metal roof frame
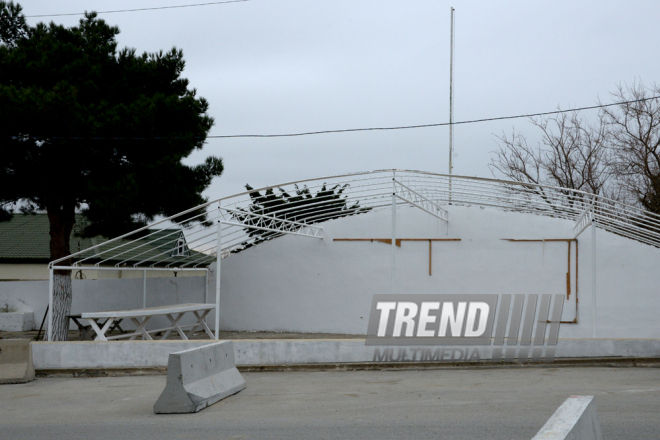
x=302 y=206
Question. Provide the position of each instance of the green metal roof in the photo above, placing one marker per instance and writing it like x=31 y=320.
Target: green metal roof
x=25 y=238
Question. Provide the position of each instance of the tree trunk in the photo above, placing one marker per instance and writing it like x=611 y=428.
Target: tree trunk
x=62 y=295
x=62 y=217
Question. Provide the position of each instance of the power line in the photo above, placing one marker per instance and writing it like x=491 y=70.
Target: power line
x=406 y=127
x=140 y=9
x=346 y=130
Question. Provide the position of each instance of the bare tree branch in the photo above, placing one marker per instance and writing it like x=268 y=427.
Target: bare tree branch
x=571 y=154
x=635 y=145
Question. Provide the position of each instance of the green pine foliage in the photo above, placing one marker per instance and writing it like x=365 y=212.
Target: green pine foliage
x=64 y=94
x=85 y=127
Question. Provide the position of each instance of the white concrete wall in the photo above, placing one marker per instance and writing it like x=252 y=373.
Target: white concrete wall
x=310 y=285
x=98 y=295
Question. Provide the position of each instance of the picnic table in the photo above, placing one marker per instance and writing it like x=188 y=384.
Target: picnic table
x=84 y=329
x=101 y=322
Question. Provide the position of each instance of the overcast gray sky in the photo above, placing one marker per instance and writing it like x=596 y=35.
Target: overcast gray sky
x=286 y=66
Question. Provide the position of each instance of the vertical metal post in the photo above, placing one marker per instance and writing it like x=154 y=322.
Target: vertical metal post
x=451 y=91
x=593 y=275
x=217 y=276
x=451 y=98
x=144 y=289
x=206 y=286
x=393 y=230
x=430 y=255
x=50 y=304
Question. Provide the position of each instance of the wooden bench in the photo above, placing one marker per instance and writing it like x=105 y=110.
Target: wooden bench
x=102 y=322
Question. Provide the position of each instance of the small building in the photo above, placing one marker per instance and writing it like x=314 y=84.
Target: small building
x=25 y=251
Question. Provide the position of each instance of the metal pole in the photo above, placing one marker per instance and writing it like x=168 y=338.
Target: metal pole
x=217 y=276
x=593 y=276
x=451 y=98
x=451 y=92
x=393 y=231
x=206 y=291
x=50 y=304
x=144 y=289
x=206 y=286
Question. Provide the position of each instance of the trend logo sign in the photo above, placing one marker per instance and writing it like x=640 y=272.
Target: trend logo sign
x=522 y=325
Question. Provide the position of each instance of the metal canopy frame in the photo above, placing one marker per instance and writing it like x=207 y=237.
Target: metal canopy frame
x=235 y=222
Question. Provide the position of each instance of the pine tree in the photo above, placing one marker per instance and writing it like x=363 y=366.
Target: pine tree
x=85 y=127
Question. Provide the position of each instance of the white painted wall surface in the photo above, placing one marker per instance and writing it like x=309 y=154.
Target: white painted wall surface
x=310 y=285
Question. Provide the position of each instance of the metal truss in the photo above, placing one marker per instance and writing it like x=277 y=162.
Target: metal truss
x=251 y=220
x=261 y=214
x=217 y=229
x=414 y=198
x=584 y=221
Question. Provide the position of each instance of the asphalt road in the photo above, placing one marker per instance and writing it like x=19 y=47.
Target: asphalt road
x=427 y=404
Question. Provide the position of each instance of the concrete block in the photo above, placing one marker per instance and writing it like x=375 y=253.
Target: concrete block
x=16 y=361
x=575 y=419
x=199 y=377
x=16 y=321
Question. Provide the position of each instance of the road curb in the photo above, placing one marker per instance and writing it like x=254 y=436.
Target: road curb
x=371 y=366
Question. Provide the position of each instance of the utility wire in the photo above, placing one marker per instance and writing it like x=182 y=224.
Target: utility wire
x=346 y=130
x=406 y=127
x=141 y=9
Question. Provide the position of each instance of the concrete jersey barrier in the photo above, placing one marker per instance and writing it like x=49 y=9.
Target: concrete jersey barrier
x=199 y=377
x=16 y=361
x=575 y=419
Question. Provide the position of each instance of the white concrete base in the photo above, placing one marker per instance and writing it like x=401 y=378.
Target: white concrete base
x=575 y=419
x=16 y=321
x=149 y=354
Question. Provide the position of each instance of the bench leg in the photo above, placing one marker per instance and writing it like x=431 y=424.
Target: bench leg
x=100 y=333
x=194 y=328
x=116 y=325
x=85 y=333
x=169 y=330
x=140 y=330
x=82 y=329
x=175 y=324
x=200 y=320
